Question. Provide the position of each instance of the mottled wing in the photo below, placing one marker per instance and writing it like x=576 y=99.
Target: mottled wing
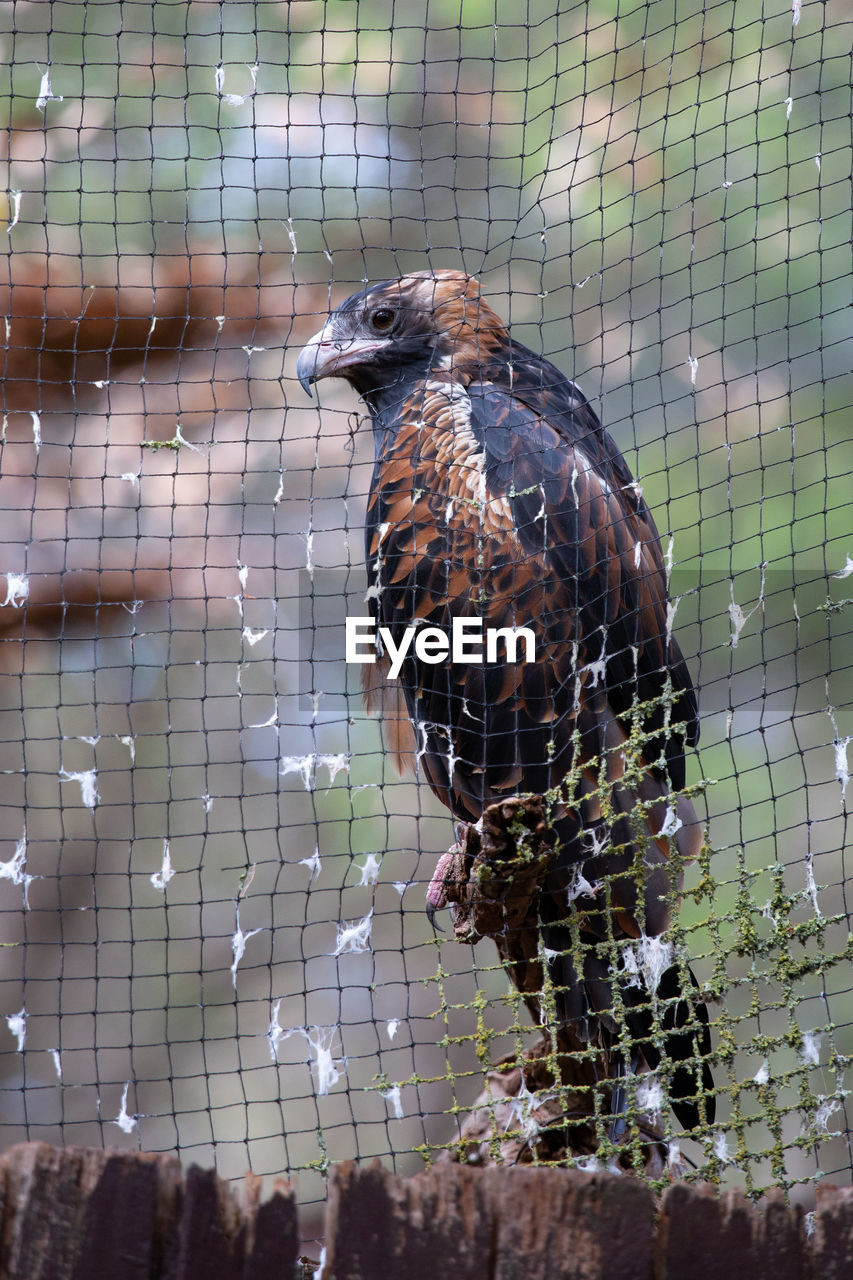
x=577 y=509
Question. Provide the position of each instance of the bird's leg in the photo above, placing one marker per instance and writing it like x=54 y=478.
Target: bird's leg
x=436 y=894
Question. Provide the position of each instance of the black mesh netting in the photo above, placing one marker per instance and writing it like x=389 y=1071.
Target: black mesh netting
x=211 y=877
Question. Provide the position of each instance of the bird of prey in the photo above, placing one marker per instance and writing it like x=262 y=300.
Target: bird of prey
x=498 y=495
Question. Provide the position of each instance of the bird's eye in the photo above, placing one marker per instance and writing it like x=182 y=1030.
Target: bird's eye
x=381 y=319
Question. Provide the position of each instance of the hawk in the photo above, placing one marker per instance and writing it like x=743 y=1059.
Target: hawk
x=498 y=496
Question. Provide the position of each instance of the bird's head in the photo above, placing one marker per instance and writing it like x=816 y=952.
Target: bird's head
x=426 y=321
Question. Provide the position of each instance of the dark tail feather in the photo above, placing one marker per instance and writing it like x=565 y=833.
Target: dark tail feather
x=619 y=1101
x=684 y=1022
x=571 y=995
x=687 y=1037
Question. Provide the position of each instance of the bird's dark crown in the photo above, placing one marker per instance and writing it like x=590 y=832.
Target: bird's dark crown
x=428 y=321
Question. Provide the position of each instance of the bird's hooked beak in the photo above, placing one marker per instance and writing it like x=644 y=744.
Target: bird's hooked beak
x=328 y=355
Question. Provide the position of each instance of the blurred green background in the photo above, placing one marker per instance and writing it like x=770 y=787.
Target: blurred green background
x=655 y=195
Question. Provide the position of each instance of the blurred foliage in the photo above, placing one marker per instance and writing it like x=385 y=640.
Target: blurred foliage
x=657 y=196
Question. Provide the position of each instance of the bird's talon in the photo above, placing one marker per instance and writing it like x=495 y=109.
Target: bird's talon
x=431 y=914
